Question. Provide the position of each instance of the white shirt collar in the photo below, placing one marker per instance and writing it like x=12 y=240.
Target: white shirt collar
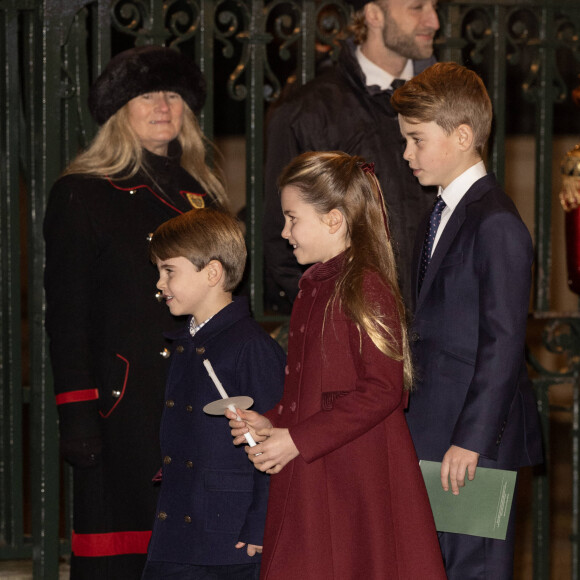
x=455 y=191
x=375 y=75
x=194 y=328
x=453 y=194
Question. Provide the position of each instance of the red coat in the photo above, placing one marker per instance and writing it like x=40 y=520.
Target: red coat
x=353 y=503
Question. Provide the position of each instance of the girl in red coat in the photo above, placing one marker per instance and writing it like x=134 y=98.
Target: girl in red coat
x=347 y=498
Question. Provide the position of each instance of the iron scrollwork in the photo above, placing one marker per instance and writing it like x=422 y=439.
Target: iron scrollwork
x=279 y=28
x=132 y=17
x=525 y=34
x=233 y=22
x=525 y=39
x=182 y=19
x=277 y=25
x=286 y=31
x=560 y=336
x=477 y=31
x=173 y=22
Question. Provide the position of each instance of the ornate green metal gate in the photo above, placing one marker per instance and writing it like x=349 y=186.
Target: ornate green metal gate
x=527 y=51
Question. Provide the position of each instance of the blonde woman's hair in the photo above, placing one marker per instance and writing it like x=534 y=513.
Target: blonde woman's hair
x=117 y=151
x=334 y=180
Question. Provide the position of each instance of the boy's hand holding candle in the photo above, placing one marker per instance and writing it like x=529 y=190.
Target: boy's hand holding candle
x=244 y=422
x=229 y=402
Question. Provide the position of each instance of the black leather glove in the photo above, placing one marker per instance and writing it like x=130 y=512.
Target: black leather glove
x=82 y=453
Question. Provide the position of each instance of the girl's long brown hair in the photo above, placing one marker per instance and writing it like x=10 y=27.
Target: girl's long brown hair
x=334 y=180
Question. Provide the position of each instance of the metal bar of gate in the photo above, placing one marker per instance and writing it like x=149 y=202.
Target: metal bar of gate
x=11 y=398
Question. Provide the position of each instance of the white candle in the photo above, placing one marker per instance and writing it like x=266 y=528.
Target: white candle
x=215 y=380
x=224 y=395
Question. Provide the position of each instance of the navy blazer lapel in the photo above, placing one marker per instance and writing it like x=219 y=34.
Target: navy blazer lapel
x=416 y=264
x=475 y=192
x=453 y=226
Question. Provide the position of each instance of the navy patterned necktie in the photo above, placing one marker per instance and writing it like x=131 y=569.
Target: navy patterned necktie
x=434 y=221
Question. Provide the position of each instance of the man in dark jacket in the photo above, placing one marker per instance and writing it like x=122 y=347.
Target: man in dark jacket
x=348 y=109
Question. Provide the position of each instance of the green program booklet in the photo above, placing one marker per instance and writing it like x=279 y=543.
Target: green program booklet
x=482 y=507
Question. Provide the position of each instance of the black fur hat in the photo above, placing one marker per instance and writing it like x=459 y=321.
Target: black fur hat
x=142 y=70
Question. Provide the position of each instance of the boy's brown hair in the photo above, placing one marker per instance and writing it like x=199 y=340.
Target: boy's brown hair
x=450 y=95
x=202 y=235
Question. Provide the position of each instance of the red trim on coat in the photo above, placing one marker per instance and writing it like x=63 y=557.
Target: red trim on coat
x=110 y=544
x=146 y=187
x=105 y=415
x=77 y=396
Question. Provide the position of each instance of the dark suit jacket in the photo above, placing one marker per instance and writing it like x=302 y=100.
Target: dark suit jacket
x=468 y=335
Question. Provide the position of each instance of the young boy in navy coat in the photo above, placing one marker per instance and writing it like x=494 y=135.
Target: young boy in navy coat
x=473 y=404
x=212 y=504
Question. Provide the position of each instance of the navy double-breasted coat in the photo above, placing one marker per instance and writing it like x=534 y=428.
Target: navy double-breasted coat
x=211 y=495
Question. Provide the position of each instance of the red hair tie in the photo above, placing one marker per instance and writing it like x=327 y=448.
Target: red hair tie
x=368 y=167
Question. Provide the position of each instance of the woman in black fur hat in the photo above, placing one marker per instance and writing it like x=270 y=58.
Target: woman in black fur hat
x=146 y=164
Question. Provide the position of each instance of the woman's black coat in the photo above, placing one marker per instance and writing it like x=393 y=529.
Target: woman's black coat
x=105 y=328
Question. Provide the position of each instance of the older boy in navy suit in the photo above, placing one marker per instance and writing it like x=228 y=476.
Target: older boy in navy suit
x=473 y=404
x=212 y=504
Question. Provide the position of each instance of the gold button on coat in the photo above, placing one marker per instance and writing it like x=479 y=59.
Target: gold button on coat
x=162 y=516
x=167 y=460
x=200 y=350
x=187 y=519
x=179 y=349
x=189 y=464
x=170 y=403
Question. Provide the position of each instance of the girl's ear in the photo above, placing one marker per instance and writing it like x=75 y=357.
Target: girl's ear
x=334 y=220
x=215 y=272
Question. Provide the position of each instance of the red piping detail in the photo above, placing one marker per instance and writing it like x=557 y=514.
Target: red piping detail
x=77 y=396
x=146 y=187
x=111 y=544
x=105 y=415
